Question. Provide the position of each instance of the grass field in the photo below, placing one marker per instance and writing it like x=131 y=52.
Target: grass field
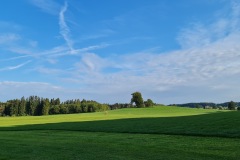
x=146 y=133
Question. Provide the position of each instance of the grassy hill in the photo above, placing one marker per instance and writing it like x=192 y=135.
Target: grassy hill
x=144 y=133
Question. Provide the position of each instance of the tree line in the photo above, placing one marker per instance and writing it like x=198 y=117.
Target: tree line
x=37 y=106
x=227 y=105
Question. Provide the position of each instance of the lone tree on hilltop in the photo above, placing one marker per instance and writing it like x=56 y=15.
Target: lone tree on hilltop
x=231 y=105
x=137 y=99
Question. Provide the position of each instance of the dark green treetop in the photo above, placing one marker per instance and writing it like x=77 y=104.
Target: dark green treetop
x=137 y=99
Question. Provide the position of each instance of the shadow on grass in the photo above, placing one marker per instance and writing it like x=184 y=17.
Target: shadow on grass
x=218 y=124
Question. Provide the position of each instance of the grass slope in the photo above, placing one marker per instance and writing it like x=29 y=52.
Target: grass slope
x=158 y=120
x=159 y=133
x=114 y=114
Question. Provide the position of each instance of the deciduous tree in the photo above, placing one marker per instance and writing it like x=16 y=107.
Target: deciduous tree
x=137 y=99
x=148 y=103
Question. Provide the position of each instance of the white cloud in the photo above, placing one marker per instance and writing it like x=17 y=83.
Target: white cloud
x=91 y=62
x=48 y=6
x=54 y=8
x=20 y=50
x=51 y=71
x=64 y=29
x=199 y=34
x=8 y=38
x=14 y=67
x=14 y=58
x=10 y=89
x=91 y=48
x=206 y=73
x=206 y=68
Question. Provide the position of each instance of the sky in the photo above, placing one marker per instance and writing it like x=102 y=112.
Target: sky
x=172 y=51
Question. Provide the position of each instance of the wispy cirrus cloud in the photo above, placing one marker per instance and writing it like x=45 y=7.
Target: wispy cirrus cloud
x=48 y=6
x=196 y=74
x=207 y=71
x=21 y=50
x=205 y=68
x=55 y=8
x=7 y=38
x=91 y=48
x=75 y=52
x=199 y=34
x=10 y=89
x=64 y=29
x=14 y=67
x=14 y=58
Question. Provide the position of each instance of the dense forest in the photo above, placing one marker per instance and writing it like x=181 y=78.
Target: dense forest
x=36 y=106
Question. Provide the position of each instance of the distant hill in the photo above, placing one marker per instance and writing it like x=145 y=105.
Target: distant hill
x=204 y=105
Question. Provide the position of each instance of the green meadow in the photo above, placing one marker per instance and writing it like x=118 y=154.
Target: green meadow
x=133 y=133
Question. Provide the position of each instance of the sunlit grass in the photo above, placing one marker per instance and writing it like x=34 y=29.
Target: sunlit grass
x=166 y=133
x=110 y=115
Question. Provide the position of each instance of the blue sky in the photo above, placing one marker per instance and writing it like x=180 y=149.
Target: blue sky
x=174 y=51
